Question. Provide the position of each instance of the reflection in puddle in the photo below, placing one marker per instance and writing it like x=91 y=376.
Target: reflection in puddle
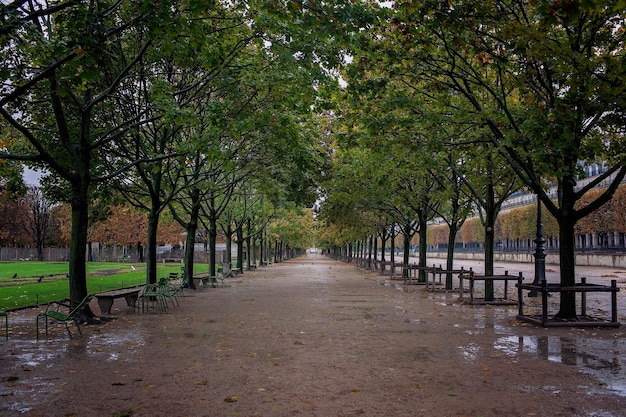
x=470 y=352
x=129 y=342
x=47 y=352
x=600 y=358
x=29 y=355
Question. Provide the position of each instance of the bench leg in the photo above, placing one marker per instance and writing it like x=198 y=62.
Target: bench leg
x=105 y=305
x=131 y=300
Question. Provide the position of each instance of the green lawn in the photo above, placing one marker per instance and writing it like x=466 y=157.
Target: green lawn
x=25 y=290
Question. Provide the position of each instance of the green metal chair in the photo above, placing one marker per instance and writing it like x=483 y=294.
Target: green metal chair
x=152 y=294
x=6 y=323
x=61 y=317
x=169 y=292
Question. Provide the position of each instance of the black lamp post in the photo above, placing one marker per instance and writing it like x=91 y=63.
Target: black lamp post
x=540 y=253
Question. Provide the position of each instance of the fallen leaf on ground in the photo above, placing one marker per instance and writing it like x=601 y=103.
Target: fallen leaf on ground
x=231 y=399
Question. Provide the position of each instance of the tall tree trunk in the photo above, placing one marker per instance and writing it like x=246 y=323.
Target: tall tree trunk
x=375 y=247
x=262 y=247
x=566 y=222
x=212 y=244
x=407 y=235
x=489 y=241
x=188 y=257
x=190 y=238
x=383 y=240
x=151 y=258
x=393 y=249
x=253 y=250
x=39 y=249
x=228 y=256
x=78 y=245
x=450 y=253
x=140 y=251
x=248 y=248
x=239 y=234
x=423 y=225
x=490 y=221
x=567 y=308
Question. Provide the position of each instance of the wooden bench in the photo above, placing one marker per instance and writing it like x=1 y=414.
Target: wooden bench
x=207 y=281
x=105 y=299
x=172 y=260
x=473 y=278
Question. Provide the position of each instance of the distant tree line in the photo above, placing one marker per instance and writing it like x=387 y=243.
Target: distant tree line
x=516 y=229
x=33 y=221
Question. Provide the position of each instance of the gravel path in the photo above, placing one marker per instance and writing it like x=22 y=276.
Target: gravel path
x=313 y=337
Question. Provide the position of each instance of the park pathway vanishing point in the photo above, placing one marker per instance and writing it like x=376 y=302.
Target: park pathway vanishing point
x=313 y=337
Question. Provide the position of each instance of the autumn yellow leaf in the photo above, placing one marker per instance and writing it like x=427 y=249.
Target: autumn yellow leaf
x=231 y=399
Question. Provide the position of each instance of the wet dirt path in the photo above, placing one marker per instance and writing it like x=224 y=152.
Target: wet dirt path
x=314 y=337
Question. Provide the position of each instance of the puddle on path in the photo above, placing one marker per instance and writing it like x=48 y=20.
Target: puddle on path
x=47 y=352
x=601 y=358
x=29 y=355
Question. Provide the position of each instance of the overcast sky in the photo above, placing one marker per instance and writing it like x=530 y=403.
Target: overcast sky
x=31 y=177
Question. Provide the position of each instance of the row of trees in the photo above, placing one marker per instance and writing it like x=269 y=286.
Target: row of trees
x=174 y=106
x=452 y=106
x=33 y=221
x=184 y=107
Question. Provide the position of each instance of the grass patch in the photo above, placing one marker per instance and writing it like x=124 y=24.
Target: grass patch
x=26 y=291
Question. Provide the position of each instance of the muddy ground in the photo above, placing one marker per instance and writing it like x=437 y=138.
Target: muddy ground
x=314 y=337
